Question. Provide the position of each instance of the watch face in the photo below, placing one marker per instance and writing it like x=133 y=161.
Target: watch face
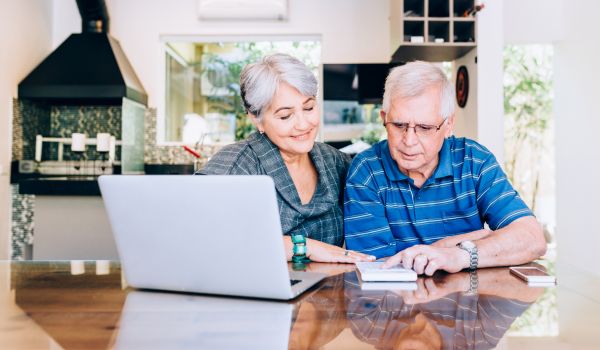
x=467 y=244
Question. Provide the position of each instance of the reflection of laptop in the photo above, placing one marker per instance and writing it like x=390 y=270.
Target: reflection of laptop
x=152 y=320
x=202 y=234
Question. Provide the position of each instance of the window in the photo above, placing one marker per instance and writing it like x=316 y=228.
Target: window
x=202 y=96
x=529 y=161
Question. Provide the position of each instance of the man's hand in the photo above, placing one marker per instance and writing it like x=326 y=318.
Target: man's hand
x=454 y=240
x=431 y=288
x=427 y=259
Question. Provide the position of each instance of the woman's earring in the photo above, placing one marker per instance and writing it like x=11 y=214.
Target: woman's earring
x=261 y=131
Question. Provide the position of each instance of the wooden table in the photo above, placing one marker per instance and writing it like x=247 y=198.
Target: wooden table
x=87 y=305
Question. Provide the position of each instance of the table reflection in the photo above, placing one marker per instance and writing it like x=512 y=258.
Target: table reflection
x=155 y=320
x=462 y=310
x=95 y=310
x=320 y=315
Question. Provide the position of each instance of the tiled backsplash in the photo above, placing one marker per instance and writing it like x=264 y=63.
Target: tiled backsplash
x=89 y=120
x=29 y=119
x=22 y=223
x=33 y=118
x=161 y=154
x=60 y=121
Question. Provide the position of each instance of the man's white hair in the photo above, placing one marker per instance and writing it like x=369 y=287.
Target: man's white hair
x=413 y=79
x=259 y=81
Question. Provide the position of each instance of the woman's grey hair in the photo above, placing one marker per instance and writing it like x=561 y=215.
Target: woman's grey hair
x=259 y=81
x=413 y=79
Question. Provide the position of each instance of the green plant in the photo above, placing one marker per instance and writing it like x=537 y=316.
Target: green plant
x=223 y=72
x=373 y=133
x=527 y=107
x=528 y=100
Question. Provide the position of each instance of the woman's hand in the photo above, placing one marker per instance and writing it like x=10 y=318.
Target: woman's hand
x=323 y=252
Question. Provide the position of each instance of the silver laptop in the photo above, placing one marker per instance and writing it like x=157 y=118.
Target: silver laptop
x=152 y=320
x=201 y=234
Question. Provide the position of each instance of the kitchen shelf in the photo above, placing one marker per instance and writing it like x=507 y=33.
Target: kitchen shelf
x=464 y=32
x=414 y=8
x=431 y=30
x=438 y=8
x=413 y=29
x=438 y=30
x=432 y=52
x=461 y=6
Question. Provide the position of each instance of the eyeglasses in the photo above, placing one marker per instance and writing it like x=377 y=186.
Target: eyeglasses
x=420 y=129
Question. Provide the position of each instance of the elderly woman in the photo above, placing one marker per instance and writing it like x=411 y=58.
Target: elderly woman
x=279 y=94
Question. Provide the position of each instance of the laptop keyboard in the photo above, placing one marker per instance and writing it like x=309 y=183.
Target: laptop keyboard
x=295 y=281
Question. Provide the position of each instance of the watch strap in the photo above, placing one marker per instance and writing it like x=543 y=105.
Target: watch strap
x=473 y=254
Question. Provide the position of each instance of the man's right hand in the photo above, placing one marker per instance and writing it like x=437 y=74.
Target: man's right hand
x=429 y=289
x=323 y=252
x=427 y=259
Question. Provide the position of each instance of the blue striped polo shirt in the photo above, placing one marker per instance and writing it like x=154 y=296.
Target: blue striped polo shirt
x=384 y=212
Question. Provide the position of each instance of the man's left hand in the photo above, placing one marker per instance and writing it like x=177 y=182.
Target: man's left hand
x=426 y=259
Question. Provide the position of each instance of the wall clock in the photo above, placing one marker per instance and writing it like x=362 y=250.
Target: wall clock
x=462 y=86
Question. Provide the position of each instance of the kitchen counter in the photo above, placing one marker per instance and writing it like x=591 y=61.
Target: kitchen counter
x=48 y=185
x=61 y=186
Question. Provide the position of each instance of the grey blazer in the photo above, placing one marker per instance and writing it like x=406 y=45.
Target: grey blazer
x=321 y=218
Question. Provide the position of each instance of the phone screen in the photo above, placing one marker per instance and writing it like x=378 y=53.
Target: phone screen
x=531 y=272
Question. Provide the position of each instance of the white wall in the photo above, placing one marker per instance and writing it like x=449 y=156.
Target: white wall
x=577 y=117
x=466 y=124
x=25 y=39
x=490 y=106
x=351 y=30
x=482 y=118
x=533 y=21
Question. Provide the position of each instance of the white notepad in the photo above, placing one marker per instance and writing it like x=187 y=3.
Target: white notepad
x=372 y=272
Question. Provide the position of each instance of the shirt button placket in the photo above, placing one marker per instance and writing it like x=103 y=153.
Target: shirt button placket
x=417 y=197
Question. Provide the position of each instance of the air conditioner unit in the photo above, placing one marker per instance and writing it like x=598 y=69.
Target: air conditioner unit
x=243 y=9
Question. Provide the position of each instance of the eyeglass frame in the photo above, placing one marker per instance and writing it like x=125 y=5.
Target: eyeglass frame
x=414 y=127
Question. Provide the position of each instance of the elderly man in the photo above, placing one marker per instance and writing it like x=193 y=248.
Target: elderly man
x=422 y=196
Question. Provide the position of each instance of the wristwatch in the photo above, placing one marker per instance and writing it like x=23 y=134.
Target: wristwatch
x=471 y=248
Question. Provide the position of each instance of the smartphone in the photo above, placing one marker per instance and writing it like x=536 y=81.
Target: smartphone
x=532 y=274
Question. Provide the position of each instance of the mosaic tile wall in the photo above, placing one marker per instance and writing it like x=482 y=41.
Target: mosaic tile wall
x=29 y=119
x=154 y=154
x=90 y=120
x=22 y=223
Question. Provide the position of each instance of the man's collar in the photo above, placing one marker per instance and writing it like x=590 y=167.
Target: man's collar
x=444 y=167
x=392 y=171
x=389 y=164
